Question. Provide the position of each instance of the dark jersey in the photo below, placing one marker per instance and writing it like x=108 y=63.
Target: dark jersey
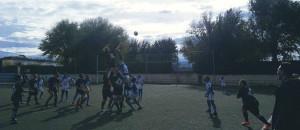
x=116 y=80
x=287 y=106
x=53 y=83
x=18 y=90
x=106 y=86
x=33 y=84
x=80 y=83
x=247 y=96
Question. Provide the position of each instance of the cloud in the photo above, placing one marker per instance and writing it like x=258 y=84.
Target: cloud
x=26 y=21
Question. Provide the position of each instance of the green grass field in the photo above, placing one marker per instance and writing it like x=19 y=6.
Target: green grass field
x=164 y=107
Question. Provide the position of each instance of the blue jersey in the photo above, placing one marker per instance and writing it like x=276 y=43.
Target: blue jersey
x=124 y=68
x=88 y=82
x=133 y=85
x=209 y=89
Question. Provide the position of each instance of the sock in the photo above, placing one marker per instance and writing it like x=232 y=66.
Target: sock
x=67 y=95
x=208 y=104
x=137 y=102
x=245 y=115
x=48 y=100
x=13 y=114
x=214 y=107
x=28 y=99
x=129 y=104
x=74 y=98
x=102 y=104
x=62 y=95
x=121 y=105
x=55 y=101
x=109 y=102
x=41 y=94
x=88 y=99
x=261 y=118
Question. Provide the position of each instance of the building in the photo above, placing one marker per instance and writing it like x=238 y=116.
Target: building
x=22 y=60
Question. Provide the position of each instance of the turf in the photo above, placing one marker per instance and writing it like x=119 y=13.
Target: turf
x=164 y=107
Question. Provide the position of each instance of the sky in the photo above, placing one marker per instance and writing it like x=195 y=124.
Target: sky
x=23 y=23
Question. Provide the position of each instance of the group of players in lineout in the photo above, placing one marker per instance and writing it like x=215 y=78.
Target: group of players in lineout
x=127 y=87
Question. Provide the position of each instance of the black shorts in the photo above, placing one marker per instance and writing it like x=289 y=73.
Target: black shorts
x=253 y=108
x=106 y=93
x=35 y=92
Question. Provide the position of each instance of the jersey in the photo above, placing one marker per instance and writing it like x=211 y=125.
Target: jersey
x=140 y=81
x=133 y=86
x=223 y=82
x=106 y=86
x=53 y=83
x=33 y=84
x=247 y=96
x=88 y=82
x=117 y=81
x=80 y=83
x=17 y=91
x=209 y=89
x=41 y=82
x=124 y=68
x=65 y=83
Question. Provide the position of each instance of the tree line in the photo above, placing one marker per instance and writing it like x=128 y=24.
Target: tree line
x=270 y=33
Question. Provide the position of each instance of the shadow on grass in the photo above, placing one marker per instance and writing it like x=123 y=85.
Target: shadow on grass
x=4 y=124
x=5 y=105
x=249 y=128
x=102 y=118
x=215 y=120
x=62 y=112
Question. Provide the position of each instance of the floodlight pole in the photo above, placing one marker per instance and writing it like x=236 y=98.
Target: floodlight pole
x=97 y=68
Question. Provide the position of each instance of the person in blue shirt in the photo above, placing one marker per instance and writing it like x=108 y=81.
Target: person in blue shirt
x=133 y=95
x=210 y=96
x=88 y=82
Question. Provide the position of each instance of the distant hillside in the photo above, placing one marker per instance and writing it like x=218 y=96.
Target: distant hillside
x=4 y=54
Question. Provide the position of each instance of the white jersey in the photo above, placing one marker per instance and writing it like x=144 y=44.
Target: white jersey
x=41 y=82
x=65 y=83
x=140 y=81
x=223 y=82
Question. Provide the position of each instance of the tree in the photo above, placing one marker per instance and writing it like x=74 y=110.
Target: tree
x=275 y=20
x=59 y=41
x=163 y=50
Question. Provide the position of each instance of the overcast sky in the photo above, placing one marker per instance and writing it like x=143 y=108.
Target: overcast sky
x=23 y=23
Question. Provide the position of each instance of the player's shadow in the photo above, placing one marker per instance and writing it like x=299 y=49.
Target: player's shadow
x=5 y=105
x=103 y=118
x=215 y=120
x=4 y=124
x=62 y=112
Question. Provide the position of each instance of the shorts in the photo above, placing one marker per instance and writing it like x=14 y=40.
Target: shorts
x=132 y=96
x=52 y=91
x=106 y=94
x=41 y=89
x=210 y=97
x=117 y=96
x=35 y=92
x=253 y=108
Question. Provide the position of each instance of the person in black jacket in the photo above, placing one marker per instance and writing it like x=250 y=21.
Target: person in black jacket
x=33 y=85
x=250 y=103
x=286 y=113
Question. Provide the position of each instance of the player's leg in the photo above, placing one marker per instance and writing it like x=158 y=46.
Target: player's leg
x=88 y=97
x=104 y=96
x=83 y=99
x=209 y=106
x=62 y=95
x=29 y=97
x=35 y=97
x=75 y=96
x=255 y=111
x=67 y=95
x=245 y=114
x=15 y=110
x=128 y=102
x=55 y=98
x=214 y=107
x=50 y=97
